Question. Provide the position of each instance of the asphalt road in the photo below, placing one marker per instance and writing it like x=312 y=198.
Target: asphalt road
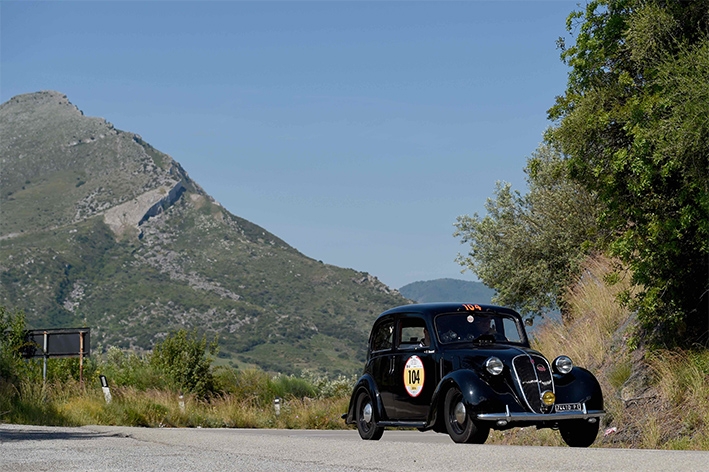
x=106 y=448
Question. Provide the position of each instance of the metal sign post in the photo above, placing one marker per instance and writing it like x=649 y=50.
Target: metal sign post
x=81 y=359
x=45 y=355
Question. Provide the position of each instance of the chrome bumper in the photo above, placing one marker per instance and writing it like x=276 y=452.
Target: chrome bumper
x=507 y=417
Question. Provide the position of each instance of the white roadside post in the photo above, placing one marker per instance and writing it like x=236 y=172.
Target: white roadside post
x=106 y=390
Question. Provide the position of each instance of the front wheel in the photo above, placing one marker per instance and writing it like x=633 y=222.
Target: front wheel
x=364 y=415
x=579 y=433
x=459 y=424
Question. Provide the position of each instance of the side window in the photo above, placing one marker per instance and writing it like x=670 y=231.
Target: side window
x=383 y=336
x=511 y=330
x=413 y=333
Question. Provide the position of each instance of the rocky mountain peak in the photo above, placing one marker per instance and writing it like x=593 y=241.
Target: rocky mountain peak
x=99 y=228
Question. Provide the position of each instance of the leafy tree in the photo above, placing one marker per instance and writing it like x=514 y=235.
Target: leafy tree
x=186 y=360
x=634 y=123
x=528 y=246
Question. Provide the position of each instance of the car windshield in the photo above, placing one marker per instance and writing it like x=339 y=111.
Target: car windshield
x=477 y=326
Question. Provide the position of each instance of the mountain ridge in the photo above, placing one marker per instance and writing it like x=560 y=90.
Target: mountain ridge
x=447 y=290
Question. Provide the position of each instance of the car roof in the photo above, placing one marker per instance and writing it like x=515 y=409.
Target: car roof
x=433 y=309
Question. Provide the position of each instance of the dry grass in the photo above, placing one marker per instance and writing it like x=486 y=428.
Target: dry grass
x=681 y=386
x=594 y=317
x=156 y=408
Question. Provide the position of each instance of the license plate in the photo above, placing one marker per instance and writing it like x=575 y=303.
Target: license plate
x=568 y=407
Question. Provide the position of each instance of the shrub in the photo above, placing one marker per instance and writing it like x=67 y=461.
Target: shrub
x=130 y=369
x=12 y=343
x=186 y=360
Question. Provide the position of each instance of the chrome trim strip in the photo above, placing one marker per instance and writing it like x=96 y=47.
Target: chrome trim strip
x=524 y=416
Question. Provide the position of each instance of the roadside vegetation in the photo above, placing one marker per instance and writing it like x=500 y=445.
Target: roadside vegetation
x=176 y=385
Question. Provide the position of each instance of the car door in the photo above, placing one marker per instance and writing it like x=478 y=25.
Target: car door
x=414 y=375
x=381 y=361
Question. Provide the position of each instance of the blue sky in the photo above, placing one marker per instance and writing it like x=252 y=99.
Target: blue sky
x=357 y=132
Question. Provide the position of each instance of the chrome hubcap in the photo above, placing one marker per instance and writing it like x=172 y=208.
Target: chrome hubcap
x=459 y=413
x=367 y=413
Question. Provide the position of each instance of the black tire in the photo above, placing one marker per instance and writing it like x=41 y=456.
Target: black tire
x=367 y=429
x=459 y=425
x=578 y=433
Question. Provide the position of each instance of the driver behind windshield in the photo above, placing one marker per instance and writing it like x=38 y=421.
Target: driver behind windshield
x=458 y=327
x=482 y=325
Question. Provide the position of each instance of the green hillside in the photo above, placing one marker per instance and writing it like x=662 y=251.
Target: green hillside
x=447 y=290
x=97 y=228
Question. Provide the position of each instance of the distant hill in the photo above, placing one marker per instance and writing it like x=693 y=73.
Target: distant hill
x=447 y=290
x=100 y=229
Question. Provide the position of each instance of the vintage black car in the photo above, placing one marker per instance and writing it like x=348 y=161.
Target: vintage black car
x=464 y=369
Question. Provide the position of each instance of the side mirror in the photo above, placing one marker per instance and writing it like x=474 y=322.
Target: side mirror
x=529 y=321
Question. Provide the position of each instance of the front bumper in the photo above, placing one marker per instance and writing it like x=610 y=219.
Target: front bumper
x=502 y=419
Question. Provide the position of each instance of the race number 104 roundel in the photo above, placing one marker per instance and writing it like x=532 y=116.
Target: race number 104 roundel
x=413 y=376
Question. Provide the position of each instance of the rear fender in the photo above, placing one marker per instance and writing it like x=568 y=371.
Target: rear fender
x=365 y=383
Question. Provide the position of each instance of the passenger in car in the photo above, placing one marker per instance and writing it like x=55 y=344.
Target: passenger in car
x=426 y=341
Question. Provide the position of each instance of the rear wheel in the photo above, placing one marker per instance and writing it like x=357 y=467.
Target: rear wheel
x=364 y=415
x=459 y=424
x=579 y=433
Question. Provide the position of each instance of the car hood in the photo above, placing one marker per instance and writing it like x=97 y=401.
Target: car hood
x=474 y=356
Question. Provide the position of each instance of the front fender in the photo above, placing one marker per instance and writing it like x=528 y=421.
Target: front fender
x=365 y=383
x=477 y=395
x=579 y=386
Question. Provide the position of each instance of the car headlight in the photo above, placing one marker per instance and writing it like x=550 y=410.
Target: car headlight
x=563 y=364
x=494 y=366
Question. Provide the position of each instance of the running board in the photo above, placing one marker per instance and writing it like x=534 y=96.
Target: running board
x=402 y=424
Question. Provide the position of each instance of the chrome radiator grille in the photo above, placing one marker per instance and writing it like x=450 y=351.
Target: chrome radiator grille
x=533 y=377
